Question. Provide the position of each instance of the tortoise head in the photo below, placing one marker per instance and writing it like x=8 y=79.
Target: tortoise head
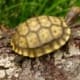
x=72 y=16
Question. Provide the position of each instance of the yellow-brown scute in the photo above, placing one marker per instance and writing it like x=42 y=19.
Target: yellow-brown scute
x=22 y=42
x=44 y=36
x=32 y=40
x=40 y=35
x=23 y=29
x=44 y=21
x=55 y=20
x=33 y=24
x=57 y=31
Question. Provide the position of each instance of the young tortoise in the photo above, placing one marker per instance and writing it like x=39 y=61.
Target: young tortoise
x=42 y=35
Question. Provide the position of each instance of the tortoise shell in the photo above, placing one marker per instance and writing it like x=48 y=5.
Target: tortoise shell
x=40 y=35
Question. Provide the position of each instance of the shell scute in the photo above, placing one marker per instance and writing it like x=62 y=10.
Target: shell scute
x=44 y=35
x=56 y=31
x=32 y=40
x=33 y=24
x=55 y=20
x=22 y=29
x=44 y=21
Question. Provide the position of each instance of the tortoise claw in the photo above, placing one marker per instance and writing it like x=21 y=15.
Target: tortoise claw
x=72 y=15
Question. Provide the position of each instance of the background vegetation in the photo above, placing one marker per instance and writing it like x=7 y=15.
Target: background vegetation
x=12 y=12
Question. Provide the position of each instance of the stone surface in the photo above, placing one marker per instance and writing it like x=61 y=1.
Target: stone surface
x=72 y=67
x=9 y=69
x=2 y=74
x=70 y=64
x=41 y=69
x=56 y=66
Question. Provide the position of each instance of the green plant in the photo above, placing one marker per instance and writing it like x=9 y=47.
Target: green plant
x=13 y=12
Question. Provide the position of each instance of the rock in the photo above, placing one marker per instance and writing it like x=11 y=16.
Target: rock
x=2 y=74
x=56 y=66
x=41 y=69
x=71 y=66
x=9 y=69
x=71 y=63
x=8 y=66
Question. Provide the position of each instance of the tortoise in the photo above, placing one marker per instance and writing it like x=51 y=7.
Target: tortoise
x=44 y=34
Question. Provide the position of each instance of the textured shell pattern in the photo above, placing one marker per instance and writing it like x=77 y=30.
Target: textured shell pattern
x=40 y=35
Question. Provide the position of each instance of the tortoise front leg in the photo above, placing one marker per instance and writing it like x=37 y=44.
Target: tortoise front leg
x=72 y=15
